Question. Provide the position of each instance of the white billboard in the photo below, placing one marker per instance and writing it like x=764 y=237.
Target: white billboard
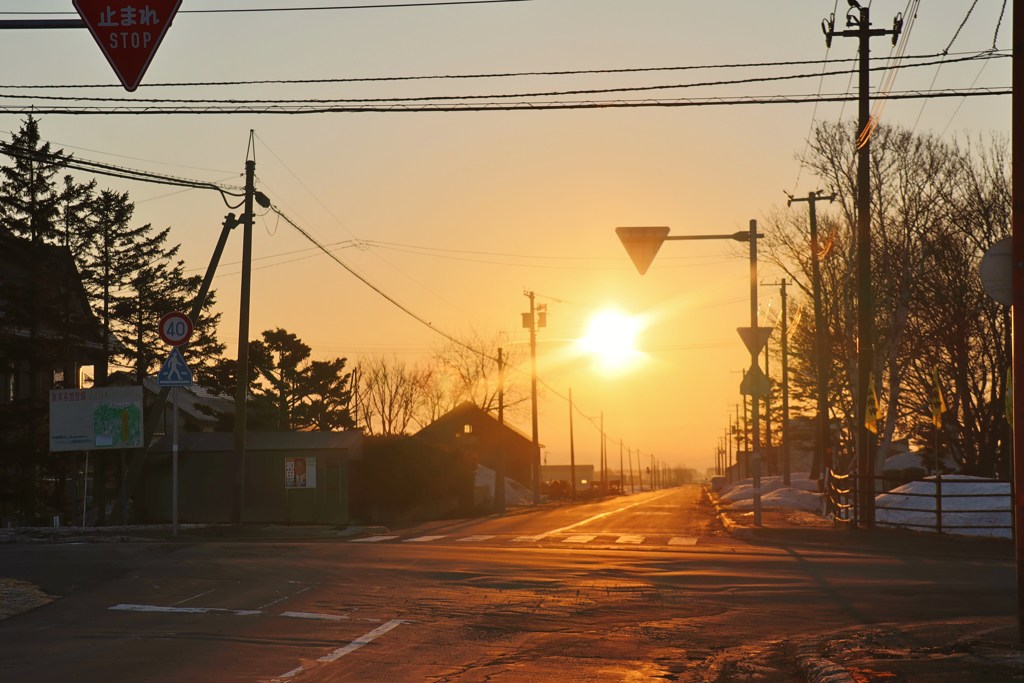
x=95 y=419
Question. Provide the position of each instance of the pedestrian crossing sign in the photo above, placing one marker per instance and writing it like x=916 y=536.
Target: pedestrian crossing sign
x=174 y=372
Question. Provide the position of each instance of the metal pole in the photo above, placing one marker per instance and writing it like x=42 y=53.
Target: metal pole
x=499 y=472
x=572 y=449
x=85 y=489
x=242 y=370
x=1018 y=318
x=174 y=461
x=755 y=455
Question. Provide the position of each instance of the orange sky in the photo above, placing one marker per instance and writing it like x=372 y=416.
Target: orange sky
x=468 y=210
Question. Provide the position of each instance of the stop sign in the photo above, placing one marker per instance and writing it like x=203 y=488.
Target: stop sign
x=128 y=32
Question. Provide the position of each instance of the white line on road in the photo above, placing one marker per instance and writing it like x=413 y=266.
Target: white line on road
x=578 y=539
x=473 y=539
x=373 y=539
x=185 y=610
x=527 y=539
x=605 y=514
x=316 y=615
x=422 y=539
x=198 y=595
x=362 y=640
x=631 y=539
x=680 y=540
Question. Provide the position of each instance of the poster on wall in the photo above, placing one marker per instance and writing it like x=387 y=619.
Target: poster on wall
x=300 y=473
x=95 y=419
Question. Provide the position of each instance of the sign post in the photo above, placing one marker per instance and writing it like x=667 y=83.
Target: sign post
x=175 y=328
x=128 y=32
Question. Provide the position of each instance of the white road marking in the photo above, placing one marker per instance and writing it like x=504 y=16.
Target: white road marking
x=185 y=610
x=198 y=595
x=683 y=540
x=631 y=539
x=578 y=539
x=422 y=539
x=521 y=539
x=473 y=539
x=362 y=640
x=373 y=539
x=316 y=615
x=605 y=514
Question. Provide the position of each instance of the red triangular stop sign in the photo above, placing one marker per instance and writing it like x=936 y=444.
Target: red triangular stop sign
x=128 y=32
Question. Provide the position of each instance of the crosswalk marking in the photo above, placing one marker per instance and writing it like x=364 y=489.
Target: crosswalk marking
x=422 y=539
x=631 y=539
x=578 y=539
x=528 y=539
x=683 y=540
x=473 y=539
x=373 y=539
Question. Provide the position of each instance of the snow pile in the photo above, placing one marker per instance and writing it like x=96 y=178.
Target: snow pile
x=966 y=502
x=515 y=493
x=801 y=494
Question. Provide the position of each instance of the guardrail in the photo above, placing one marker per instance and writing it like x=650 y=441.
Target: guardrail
x=943 y=504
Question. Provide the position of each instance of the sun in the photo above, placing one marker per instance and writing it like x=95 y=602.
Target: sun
x=610 y=339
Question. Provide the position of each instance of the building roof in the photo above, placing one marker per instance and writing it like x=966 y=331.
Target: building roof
x=466 y=412
x=49 y=272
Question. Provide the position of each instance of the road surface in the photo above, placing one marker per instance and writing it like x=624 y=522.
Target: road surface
x=635 y=588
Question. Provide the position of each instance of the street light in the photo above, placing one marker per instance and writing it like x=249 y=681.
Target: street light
x=642 y=245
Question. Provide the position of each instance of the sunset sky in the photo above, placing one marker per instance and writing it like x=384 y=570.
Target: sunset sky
x=455 y=214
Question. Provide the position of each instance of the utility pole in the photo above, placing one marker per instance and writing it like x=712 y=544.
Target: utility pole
x=537 y=317
x=604 y=460
x=859 y=20
x=242 y=370
x=572 y=449
x=784 y=445
x=499 y=470
x=821 y=433
x=622 y=476
x=632 y=484
x=1017 y=321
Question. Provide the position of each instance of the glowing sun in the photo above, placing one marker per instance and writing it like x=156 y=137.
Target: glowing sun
x=610 y=339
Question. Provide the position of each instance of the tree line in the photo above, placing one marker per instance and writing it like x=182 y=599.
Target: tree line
x=936 y=207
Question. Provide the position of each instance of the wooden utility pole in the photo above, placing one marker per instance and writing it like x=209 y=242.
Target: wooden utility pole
x=572 y=449
x=821 y=460
x=859 y=20
x=499 y=469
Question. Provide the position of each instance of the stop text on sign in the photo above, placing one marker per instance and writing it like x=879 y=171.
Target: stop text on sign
x=128 y=32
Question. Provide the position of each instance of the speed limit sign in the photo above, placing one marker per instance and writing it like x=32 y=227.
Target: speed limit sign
x=175 y=328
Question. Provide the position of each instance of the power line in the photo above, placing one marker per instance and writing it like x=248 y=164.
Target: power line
x=513 y=74
x=151 y=110
x=889 y=71
x=238 y=10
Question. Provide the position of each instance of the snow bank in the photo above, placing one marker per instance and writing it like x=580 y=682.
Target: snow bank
x=966 y=502
x=801 y=494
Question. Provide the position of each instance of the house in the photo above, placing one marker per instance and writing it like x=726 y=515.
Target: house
x=473 y=431
x=48 y=332
x=290 y=477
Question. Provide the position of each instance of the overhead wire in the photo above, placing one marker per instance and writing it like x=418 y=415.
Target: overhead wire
x=472 y=76
x=889 y=71
x=239 y=10
x=421 y=107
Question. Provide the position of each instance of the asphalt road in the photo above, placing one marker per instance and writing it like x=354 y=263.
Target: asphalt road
x=644 y=587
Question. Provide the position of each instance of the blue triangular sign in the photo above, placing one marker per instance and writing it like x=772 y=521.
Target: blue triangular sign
x=174 y=372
